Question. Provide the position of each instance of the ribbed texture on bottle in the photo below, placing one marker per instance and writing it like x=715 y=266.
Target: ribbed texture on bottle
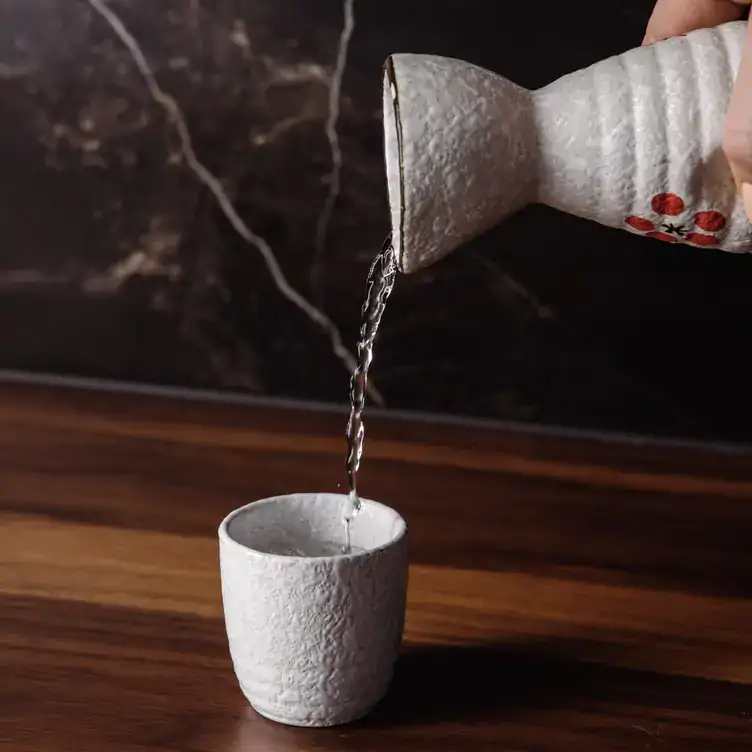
x=639 y=137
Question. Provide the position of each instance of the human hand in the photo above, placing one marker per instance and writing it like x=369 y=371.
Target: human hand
x=673 y=17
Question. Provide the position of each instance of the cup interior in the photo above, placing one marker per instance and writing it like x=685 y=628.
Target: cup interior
x=312 y=525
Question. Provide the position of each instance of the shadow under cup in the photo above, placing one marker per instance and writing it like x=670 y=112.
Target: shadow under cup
x=313 y=637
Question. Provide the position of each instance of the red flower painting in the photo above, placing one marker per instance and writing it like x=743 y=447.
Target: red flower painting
x=667 y=223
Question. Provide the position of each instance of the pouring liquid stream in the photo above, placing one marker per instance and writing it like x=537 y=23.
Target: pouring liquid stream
x=379 y=284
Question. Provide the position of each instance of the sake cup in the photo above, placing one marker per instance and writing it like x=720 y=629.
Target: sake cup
x=313 y=632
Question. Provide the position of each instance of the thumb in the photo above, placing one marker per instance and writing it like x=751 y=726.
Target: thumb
x=737 y=142
x=673 y=17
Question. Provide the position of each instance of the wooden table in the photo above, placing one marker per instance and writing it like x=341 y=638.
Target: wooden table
x=567 y=593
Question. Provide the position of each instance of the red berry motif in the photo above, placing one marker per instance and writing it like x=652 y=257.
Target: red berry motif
x=640 y=224
x=662 y=236
x=668 y=204
x=699 y=238
x=712 y=221
x=663 y=226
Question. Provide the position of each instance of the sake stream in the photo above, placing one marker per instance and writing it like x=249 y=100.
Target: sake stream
x=379 y=284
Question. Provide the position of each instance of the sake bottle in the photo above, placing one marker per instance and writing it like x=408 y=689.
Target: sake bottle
x=632 y=142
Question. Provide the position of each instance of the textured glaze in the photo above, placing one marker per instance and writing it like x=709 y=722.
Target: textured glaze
x=457 y=129
x=313 y=640
x=632 y=142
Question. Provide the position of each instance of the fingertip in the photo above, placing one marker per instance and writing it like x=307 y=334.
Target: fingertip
x=653 y=35
x=745 y=189
x=743 y=183
x=671 y=18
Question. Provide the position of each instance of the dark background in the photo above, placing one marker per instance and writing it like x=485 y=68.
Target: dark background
x=115 y=262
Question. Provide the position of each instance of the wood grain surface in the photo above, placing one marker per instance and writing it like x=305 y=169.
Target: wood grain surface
x=567 y=594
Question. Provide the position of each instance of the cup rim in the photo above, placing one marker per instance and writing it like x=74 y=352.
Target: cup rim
x=227 y=539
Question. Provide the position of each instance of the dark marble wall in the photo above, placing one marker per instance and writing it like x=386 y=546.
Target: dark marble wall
x=117 y=262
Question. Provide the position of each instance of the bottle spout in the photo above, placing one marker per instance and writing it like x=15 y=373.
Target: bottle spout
x=460 y=152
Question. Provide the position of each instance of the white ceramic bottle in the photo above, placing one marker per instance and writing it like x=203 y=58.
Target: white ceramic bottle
x=633 y=142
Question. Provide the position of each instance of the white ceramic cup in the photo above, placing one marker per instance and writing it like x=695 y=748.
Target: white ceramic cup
x=313 y=639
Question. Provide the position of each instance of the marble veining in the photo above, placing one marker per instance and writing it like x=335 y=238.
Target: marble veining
x=193 y=193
